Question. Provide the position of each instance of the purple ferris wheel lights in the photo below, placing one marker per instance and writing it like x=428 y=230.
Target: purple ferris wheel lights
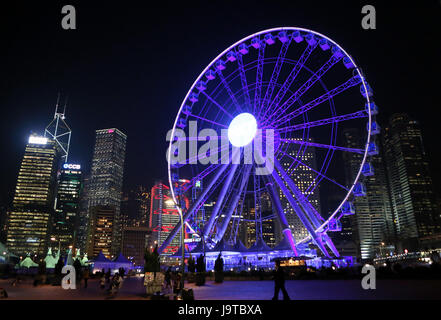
x=283 y=36
x=277 y=88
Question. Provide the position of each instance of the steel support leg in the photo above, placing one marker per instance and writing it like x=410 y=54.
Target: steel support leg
x=195 y=205
x=281 y=215
x=306 y=205
x=221 y=230
x=219 y=201
x=300 y=213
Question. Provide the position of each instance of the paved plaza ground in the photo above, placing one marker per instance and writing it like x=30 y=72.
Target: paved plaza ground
x=243 y=290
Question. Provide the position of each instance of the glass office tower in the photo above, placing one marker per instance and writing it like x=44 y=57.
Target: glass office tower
x=33 y=203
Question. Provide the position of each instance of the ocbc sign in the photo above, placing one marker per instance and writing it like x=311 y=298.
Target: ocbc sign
x=71 y=166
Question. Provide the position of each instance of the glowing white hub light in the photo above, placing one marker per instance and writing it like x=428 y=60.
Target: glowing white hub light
x=242 y=129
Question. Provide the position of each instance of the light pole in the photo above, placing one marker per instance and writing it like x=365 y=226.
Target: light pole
x=182 y=246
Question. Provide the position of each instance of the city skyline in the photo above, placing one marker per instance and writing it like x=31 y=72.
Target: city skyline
x=94 y=95
x=106 y=181
x=221 y=150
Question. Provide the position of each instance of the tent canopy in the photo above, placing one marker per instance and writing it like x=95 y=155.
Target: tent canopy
x=240 y=247
x=101 y=258
x=259 y=246
x=50 y=260
x=283 y=245
x=121 y=259
x=28 y=263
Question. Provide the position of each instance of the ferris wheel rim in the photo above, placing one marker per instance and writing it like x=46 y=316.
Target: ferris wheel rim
x=322 y=227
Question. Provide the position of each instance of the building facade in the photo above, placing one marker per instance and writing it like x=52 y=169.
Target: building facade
x=303 y=177
x=163 y=217
x=134 y=242
x=268 y=221
x=373 y=223
x=100 y=238
x=247 y=229
x=83 y=220
x=135 y=207
x=28 y=224
x=106 y=179
x=67 y=201
x=410 y=182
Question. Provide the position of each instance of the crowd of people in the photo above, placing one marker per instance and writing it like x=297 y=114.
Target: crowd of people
x=113 y=283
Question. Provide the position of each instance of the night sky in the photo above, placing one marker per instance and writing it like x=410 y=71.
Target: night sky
x=129 y=65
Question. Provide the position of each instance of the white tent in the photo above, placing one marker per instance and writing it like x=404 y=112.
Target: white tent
x=84 y=261
x=28 y=263
x=50 y=260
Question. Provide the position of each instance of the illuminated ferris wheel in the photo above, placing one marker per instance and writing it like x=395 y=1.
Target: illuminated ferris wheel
x=276 y=94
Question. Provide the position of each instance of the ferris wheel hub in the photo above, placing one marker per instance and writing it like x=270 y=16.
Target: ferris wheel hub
x=242 y=129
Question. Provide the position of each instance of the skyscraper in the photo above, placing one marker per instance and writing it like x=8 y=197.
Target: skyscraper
x=64 y=222
x=135 y=206
x=106 y=179
x=410 y=182
x=102 y=219
x=33 y=203
x=372 y=223
x=248 y=224
x=134 y=242
x=83 y=220
x=163 y=217
x=303 y=178
x=268 y=223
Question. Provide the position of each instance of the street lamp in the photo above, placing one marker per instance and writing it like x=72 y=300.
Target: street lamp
x=182 y=245
x=59 y=243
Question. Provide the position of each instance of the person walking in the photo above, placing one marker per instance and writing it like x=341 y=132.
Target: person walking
x=108 y=276
x=167 y=279
x=102 y=281
x=279 y=282
x=177 y=284
x=86 y=277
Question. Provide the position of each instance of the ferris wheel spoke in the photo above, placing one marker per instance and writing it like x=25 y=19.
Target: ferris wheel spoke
x=322 y=122
x=309 y=209
x=259 y=76
x=217 y=104
x=196 y=158
x=199 y=177
x=292 y=76
x=299 y=212
x=220 y=200
x=243 y=80
x=206 y=120
x=280 y=214
x=320 y=238
x=197 y=138
x=228 y=89
x=274 y=76
x=193 y=207
x=239 y=214
x=306 y=86
x=315 y=171
x=320 y=145
x=325 y=97
x=233 y=204
x=257 y=208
